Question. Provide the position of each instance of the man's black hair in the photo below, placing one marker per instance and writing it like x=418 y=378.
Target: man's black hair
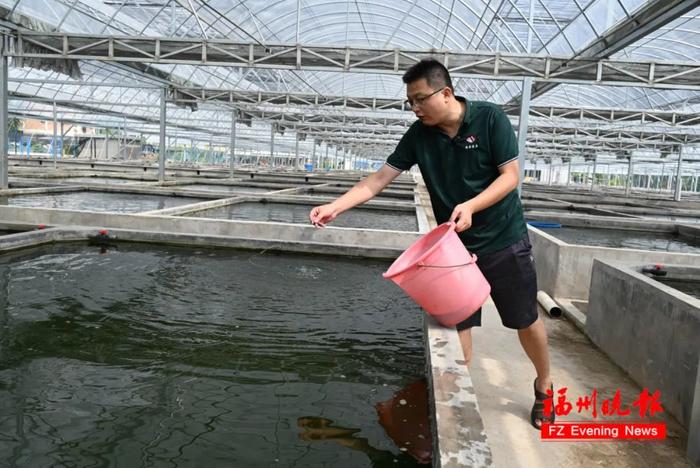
x=433 y=71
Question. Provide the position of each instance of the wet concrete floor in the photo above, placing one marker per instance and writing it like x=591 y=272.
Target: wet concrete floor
x=503 y=378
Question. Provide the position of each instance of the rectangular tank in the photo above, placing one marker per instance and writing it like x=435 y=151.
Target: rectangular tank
x=136 y=355
x=624 y=239
x=299 y=214
x=99 y=201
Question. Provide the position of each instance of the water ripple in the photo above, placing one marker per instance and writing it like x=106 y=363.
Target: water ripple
x=172 y=357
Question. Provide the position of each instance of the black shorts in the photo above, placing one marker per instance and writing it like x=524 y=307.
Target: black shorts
x=511 y=274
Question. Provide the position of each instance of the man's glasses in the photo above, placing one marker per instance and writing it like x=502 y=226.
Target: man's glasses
x=419 y=101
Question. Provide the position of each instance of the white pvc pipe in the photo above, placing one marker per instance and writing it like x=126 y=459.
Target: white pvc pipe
x=551 y=307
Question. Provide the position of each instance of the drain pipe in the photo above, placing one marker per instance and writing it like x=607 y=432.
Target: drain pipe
x=551 y=307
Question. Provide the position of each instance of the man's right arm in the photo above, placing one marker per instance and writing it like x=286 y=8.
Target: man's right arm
x=364 y=190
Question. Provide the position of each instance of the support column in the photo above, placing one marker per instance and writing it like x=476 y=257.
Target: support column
x=4 y=161
x=679 y=174
x=522 y=127
x=313 y=152
x=55 y=137
x=63 y=136
x=232 y=156
x=272 y=145
x=630 y=176
x=325 y=158
x=174 y=143
x=296 y=152
x=595 y=167
x=568 y=174
x=161 y=153
x=584 y=182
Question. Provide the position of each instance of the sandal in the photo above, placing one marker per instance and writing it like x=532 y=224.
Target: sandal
x=537 y=413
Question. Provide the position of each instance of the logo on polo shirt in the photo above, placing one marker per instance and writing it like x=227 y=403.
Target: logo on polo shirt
x=470 y=142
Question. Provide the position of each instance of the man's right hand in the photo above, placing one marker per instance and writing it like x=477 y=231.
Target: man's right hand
x=322 y=215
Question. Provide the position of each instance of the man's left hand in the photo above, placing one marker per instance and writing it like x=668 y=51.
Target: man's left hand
x=462 y=216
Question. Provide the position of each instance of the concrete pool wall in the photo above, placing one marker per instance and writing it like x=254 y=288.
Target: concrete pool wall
x=564 y=270
x=694 y=429
x=244 y=234
x=655 y=337
x=460 y=437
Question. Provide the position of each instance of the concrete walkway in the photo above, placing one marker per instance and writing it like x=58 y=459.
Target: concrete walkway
x=503 y=376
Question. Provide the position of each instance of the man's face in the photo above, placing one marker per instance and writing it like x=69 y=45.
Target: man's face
x=428 y=105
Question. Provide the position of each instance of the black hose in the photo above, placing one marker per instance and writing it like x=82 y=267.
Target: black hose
x=654 y=270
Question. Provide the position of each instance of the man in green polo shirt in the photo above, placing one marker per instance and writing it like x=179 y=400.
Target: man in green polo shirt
x=468 y=156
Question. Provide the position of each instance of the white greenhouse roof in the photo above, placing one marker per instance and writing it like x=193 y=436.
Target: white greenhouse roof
x=127 y=95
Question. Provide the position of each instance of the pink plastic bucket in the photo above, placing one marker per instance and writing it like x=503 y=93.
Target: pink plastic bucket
x=441 y=276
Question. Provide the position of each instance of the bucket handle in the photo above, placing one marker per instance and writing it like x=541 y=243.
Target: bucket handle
x=473 y=260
